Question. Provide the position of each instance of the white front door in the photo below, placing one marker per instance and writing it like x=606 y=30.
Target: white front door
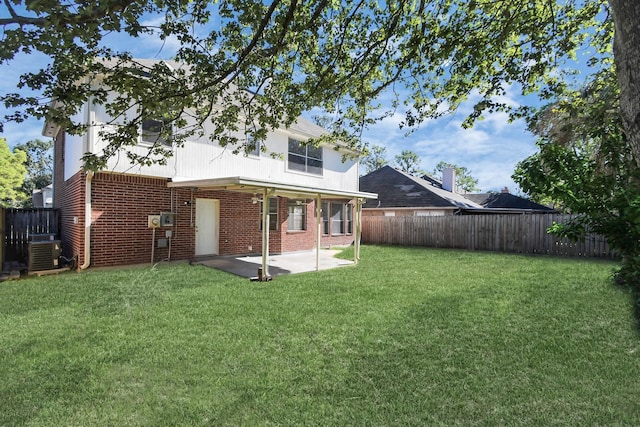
x=207 y=226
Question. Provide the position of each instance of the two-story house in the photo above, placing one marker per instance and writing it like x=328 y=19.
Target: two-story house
x=205 y=200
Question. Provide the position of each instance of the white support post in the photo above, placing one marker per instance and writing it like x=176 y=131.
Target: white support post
x=358 y=220
x=318 y=229
x=265 y=234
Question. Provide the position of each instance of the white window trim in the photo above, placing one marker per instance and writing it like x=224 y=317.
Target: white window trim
x=306 y=156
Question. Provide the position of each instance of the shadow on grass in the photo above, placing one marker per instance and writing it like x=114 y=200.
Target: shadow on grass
x=480 y=367
x=634 y=295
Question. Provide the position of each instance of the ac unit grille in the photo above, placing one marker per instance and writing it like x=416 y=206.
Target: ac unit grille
x=44 y=255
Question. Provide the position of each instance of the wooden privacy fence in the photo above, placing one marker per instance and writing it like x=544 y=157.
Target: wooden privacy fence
x=21 y=224
x=525 y=233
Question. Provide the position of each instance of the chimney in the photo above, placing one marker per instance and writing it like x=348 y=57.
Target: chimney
x=505 y=190
x=449 y=179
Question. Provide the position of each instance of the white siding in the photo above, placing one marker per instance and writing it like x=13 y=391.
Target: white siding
x=74 y=148
x=202 y=159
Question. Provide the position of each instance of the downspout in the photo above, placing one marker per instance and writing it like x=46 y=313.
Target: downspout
x=87 y=221
x=90 y=120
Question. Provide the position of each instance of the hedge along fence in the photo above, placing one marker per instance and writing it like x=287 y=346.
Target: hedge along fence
x=520 y=233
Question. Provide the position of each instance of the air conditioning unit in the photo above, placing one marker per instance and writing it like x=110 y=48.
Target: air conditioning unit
x=44 y=255
x=42 y=237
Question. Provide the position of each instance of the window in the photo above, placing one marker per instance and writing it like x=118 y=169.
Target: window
x=325 y=218
x=297 y=219
x=303 y=158
x=253 y=146
x=273 y=213
x=156 y=131
x=337 y=218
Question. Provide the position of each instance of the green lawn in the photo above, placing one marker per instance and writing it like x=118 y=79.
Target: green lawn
x=408 y=337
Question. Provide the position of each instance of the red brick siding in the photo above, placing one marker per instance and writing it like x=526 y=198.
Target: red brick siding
x=294 y=241
x=344 y=239
x=121 y=205
x=69 y=197
x=239 y=223
x=120 y=234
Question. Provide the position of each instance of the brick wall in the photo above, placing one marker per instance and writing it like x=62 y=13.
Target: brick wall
x=294 y=241
x=68 y=196
x=239 y=223
x=122 y=203
x=344 y=239
x=120 y=208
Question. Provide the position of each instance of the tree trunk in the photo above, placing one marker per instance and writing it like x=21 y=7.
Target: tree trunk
x=626 y=49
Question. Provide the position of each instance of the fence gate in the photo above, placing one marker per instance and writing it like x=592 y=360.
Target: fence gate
x=21 y=225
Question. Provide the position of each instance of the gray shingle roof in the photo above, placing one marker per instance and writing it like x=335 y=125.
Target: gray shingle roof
x=506 y=201
x=397 y=189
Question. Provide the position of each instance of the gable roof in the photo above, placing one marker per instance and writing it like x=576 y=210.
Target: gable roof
x=506 y=201
x=301 y=127
x=397 y=189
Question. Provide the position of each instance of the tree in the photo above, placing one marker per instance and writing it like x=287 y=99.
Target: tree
x=464 y=180
x=409 y=162
x=374 y=158
x=626 y=18
x=585 y=163
x=12 y=172
x=39 y=166
x=255 y=66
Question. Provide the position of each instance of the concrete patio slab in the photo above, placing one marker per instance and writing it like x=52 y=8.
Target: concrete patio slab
x=290 y=263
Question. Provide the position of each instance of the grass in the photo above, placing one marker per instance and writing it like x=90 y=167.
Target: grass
x=409 y=337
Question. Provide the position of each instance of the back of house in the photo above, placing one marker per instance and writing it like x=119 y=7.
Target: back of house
x=205 y=200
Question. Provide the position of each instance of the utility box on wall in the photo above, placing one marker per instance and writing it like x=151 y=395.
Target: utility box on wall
x=167 y=219
x=153 y=221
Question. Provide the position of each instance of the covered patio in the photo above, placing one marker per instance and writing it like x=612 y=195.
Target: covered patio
x=290 y=263
x=262 y=190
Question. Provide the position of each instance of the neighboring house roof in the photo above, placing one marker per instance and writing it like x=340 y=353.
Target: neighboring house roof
x=505 y=201
x=397 y=189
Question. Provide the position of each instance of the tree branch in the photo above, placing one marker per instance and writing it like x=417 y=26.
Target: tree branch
x=73 y=19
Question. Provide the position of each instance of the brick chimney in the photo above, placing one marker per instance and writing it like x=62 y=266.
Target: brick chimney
x=449 y=179
x=505 y=190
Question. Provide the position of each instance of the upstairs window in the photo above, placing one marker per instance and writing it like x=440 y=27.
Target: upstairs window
x=253 y=147
x=156 y=132
x=304 y=158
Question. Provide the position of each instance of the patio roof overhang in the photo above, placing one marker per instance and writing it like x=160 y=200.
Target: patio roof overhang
x=251 y=185
x=268 y=189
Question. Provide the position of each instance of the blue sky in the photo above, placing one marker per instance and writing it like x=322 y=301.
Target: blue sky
x=490 y=150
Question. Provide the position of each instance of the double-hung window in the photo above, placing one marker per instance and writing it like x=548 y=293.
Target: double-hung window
x=156 y=132
x=273 y=213
x=337 y=218
x=253 y=146
x=304 y=158
x=297 y=216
